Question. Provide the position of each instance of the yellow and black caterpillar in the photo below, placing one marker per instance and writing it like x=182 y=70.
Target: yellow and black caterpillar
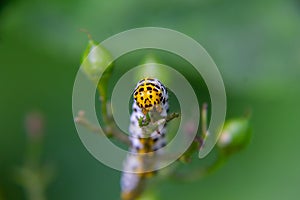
x=150 y=97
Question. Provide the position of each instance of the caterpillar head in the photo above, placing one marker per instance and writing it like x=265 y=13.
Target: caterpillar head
x=149 y=93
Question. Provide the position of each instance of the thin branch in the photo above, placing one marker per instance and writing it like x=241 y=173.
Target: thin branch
x=86 y=32
x=204 y=119
x=172 y=116
x=145 y=121
x=110 y=130
x=80 y=119
x=201 y=137
x=199 y=172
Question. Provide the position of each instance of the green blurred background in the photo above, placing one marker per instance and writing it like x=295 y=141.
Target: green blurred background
x=256 y=45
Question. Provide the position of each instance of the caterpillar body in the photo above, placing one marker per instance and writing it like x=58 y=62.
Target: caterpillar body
x=150 y=97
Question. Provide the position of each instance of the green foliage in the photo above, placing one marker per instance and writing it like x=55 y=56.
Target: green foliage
x=95 y=60
x=255 y=45
x=235 y=136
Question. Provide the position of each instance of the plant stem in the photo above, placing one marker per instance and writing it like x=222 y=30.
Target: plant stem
x=201 y=172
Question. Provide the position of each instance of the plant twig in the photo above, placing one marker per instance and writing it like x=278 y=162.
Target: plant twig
x=199 y=172
x=204 y=119
x=80 y=119
x=110 y=130
x=145 y=121
x=33 y=175
x=86 y=32
x=172 y=116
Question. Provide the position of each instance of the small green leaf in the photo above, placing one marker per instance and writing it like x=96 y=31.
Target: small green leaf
x=144 y=121
x=95 y=60
x=235 y=135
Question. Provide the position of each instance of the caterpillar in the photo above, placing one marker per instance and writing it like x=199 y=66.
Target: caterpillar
x=150 y=97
